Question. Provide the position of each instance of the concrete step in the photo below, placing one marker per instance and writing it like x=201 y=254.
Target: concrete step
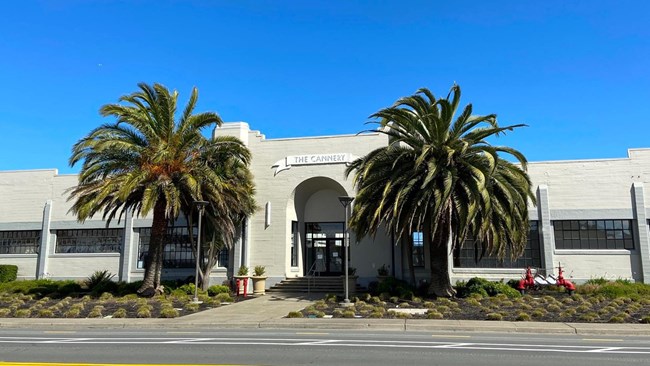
x=312 y=284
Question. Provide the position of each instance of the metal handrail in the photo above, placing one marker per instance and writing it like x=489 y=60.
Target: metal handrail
x=311 y=274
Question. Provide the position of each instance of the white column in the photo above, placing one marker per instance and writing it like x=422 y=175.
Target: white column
x=641 y=238
x=126 y=257
x=45 y=245
x=547 y=237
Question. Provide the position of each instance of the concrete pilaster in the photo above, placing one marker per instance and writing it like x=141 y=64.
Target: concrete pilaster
x=128 y=247
x=642 y=239
x=547 y=235
x=45 y=244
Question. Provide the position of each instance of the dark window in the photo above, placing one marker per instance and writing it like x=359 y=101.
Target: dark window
x=418 y=249
x=294 y=243
x=593 y=234
x=465 y=257
x=20 y=242
x=89 y=241
x=178 y=249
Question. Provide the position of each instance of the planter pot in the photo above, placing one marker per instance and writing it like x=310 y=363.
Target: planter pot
x=259 y=285
x=243 y=285
x=382 y=278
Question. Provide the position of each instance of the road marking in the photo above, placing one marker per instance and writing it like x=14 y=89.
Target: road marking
x=3 y=363
x=605 y=349
x=59 y=331
x=316 y=343
x=602 y=340
x=311 y=333
x=453 y=345
x=183 y=332
x=450 y=336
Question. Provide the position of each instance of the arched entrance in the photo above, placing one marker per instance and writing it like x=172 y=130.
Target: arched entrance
x=318 y=226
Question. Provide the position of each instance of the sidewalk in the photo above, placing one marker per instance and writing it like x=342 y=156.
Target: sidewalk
x=269 y=311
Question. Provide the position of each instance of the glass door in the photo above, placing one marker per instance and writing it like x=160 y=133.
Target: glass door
x=324 y=248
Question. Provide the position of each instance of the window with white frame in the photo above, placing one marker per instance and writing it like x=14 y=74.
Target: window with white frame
x=89 y=241
x=20 y=242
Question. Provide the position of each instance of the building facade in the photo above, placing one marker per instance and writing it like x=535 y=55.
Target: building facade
x=591 y=216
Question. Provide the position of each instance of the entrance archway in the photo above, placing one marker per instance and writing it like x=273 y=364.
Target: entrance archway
x=317 y=222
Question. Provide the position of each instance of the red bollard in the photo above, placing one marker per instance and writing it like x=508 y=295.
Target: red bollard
x=245 y=287
x=239 y=286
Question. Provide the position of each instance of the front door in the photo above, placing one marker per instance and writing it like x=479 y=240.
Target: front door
x=325 y=248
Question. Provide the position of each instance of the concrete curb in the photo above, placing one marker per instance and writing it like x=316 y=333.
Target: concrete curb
x=394 y=325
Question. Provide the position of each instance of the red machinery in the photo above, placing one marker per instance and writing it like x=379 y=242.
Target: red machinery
x=534 y=282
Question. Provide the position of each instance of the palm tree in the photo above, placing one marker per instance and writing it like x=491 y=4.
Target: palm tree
x=441 y=176
x=227 y=210
x=146 y=162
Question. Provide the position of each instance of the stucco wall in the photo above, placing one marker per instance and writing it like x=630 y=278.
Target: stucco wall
x=81 y=266
x=26 y=264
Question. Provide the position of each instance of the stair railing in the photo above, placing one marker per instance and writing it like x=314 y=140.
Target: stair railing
x=311 y=274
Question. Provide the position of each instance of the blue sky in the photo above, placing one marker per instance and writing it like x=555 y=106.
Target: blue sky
x=575 y=71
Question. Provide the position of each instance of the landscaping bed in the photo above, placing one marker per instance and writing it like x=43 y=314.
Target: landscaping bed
x=597 y=301
x=103 y=299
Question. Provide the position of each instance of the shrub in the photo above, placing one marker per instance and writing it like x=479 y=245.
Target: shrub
x=473 y=302
x=259 y=271
x=218 y=289
x=45 y=313
x=554 y=308
x=191 y=307
x=538 y=313
x=96 y=312
x=4 y=312
x=23 y=313
x=494 y=316
x=402 y=315
x=377 y=315
x=243 y=271
x=8 y=272
x=143 y=312
x=295 y=314
x=485 y=288
x=169 y=312
x=72 y=313
x=337 y=313
x=187 y=288
x=522 y=317
x=224 y=297
x=119 y=313
x=434 y=315
x=588 y=317
x=394 y=287
x=100 y=282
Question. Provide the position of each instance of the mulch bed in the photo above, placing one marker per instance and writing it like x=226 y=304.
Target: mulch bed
x=544 y=306
x=25 y=306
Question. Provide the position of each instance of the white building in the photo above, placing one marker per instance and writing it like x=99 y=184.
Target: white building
x=591 y=216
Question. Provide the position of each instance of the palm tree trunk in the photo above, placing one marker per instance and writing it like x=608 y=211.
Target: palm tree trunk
x=439 y=258
x=408 y=241
x=154 y=260
x=440 y=281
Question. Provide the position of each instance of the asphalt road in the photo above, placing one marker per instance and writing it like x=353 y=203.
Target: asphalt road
x=318 y=347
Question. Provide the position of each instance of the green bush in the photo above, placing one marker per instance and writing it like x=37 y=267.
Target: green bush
x=494 y=316
x=484 y=288
x=224 y=297
x=394 y=287
x=8 y=272
x=218 y=289
x=100 y=282
x=119 y=313
x=295 y=314
x=169 y=313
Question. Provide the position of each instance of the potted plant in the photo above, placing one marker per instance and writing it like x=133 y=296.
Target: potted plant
x=382 y=272
x=259 y=280
x=242 y=278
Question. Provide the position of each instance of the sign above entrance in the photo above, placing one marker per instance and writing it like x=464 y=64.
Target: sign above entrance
x=315 y=159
